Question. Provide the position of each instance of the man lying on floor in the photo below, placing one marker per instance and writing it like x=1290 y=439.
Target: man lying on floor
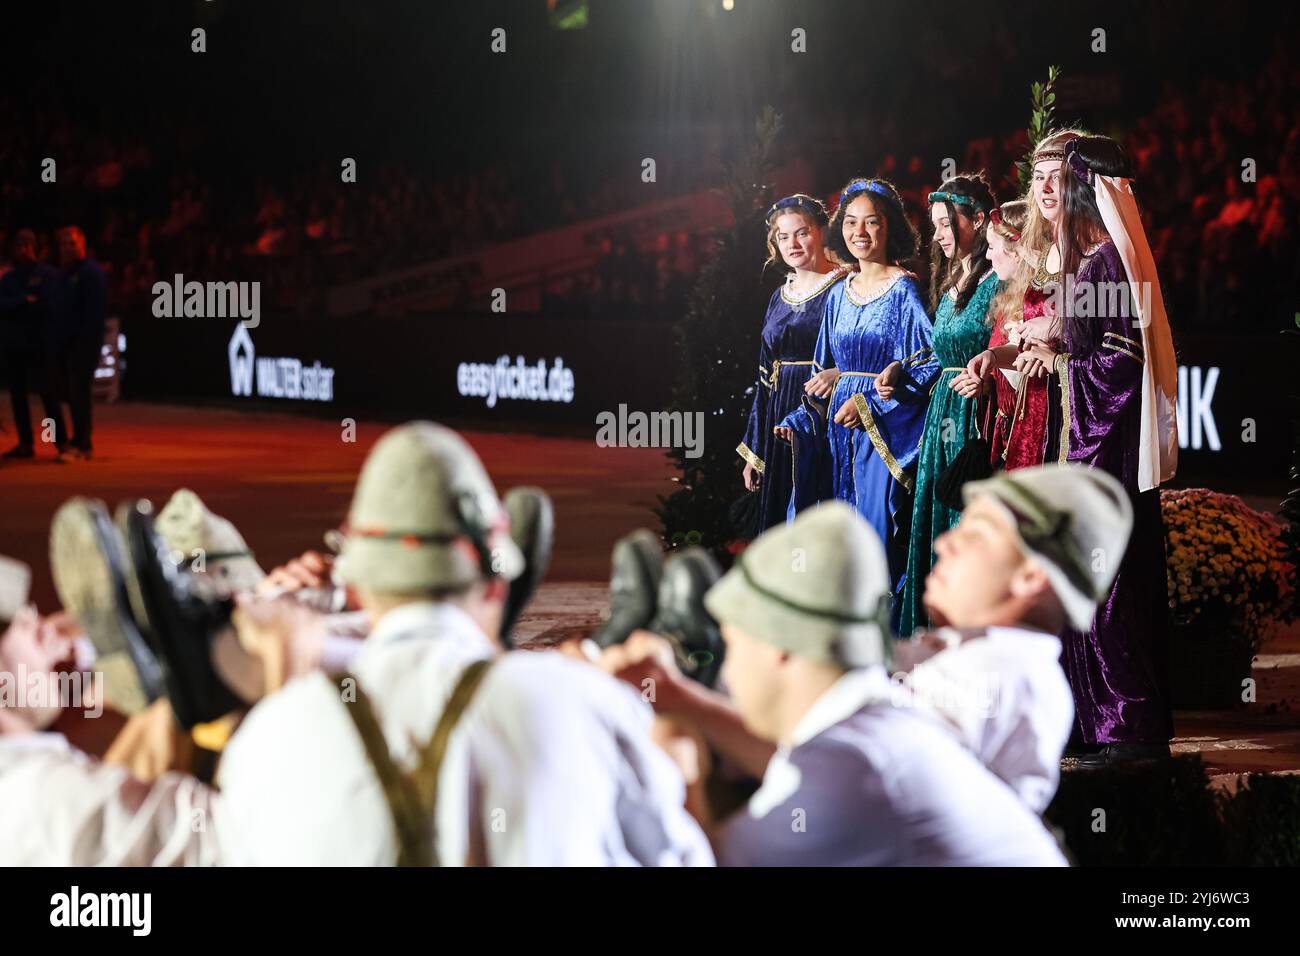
x=550 y=763
x=61 y=806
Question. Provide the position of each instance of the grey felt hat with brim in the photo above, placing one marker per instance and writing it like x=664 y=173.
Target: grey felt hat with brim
x=817 y=588
x=421 y=502
x=1074 y=521
x=187 y=526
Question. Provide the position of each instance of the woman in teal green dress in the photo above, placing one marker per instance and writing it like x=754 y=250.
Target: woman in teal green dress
x=962 y=287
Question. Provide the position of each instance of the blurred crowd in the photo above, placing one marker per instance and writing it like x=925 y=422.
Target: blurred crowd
x=1226 y=246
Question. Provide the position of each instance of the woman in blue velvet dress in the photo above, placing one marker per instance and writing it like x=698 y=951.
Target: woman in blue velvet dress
x=856 y=434
x=794 y=232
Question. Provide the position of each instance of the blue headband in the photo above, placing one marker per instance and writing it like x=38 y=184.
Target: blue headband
x=864 y=185
x=800 y=202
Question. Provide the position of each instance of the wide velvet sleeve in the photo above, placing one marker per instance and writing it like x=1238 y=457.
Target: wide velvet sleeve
x=752 y=446
x=1100 y=377
x=920 y=363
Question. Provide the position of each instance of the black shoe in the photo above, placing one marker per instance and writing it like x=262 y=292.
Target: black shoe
x=1112 y=755
x=681 y=616
x=1077 y=751
x=90 y=576
x=635 y=569
x=18 y=452
x=181 y=621
x=532 y=526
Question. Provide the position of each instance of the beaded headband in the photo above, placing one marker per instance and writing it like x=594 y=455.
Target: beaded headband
x=810 y=206
x=863 y=185
x=1002 y=227
x=1048 y=152
x=957 y=200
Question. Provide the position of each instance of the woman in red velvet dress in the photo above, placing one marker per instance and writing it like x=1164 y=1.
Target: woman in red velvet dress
x=1022 y=311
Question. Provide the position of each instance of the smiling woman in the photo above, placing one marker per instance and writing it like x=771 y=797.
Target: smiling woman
x=785 y=358
x=875 y=365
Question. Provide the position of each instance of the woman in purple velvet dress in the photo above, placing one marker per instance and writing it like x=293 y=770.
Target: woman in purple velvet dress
x=785 y=357
x=1111 y=405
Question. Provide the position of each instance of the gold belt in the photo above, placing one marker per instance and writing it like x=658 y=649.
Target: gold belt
x=776 y=369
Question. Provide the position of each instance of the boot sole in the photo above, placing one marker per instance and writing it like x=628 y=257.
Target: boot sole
x=82 y=555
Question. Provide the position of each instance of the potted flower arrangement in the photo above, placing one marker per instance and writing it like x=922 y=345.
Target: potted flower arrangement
x=1229 y=583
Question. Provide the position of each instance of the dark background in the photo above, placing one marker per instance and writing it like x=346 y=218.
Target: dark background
x=224 y=165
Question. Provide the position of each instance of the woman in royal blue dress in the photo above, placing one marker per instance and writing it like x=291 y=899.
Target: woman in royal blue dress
x=855 y=435
x=785 y=357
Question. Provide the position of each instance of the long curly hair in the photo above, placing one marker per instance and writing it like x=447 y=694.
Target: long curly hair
x=945 y=273
x=1009 y=303
x=901 y=239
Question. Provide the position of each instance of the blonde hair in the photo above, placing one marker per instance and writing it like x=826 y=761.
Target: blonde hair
x=1009 y=303
x=773 y=253
x=1038 y=230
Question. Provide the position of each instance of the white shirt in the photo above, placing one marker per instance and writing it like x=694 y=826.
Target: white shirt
x=59 y=807
x=868 y=780
x=1003 y=693
x=552 y=761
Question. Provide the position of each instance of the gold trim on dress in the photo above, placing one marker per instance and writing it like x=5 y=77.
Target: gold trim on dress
x=839 y=272
x=915 y=358
x=1119 y=348
x=878 y=442
x=1041 y=276
x=743 y=450
x=1123 y=338
x=1061 y=366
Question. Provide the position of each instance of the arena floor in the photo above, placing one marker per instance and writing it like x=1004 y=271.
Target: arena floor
x=284 y=480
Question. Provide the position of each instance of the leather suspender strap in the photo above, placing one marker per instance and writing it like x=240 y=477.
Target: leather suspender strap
x=429 y=765
x=414 y=841
x=413 y=798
